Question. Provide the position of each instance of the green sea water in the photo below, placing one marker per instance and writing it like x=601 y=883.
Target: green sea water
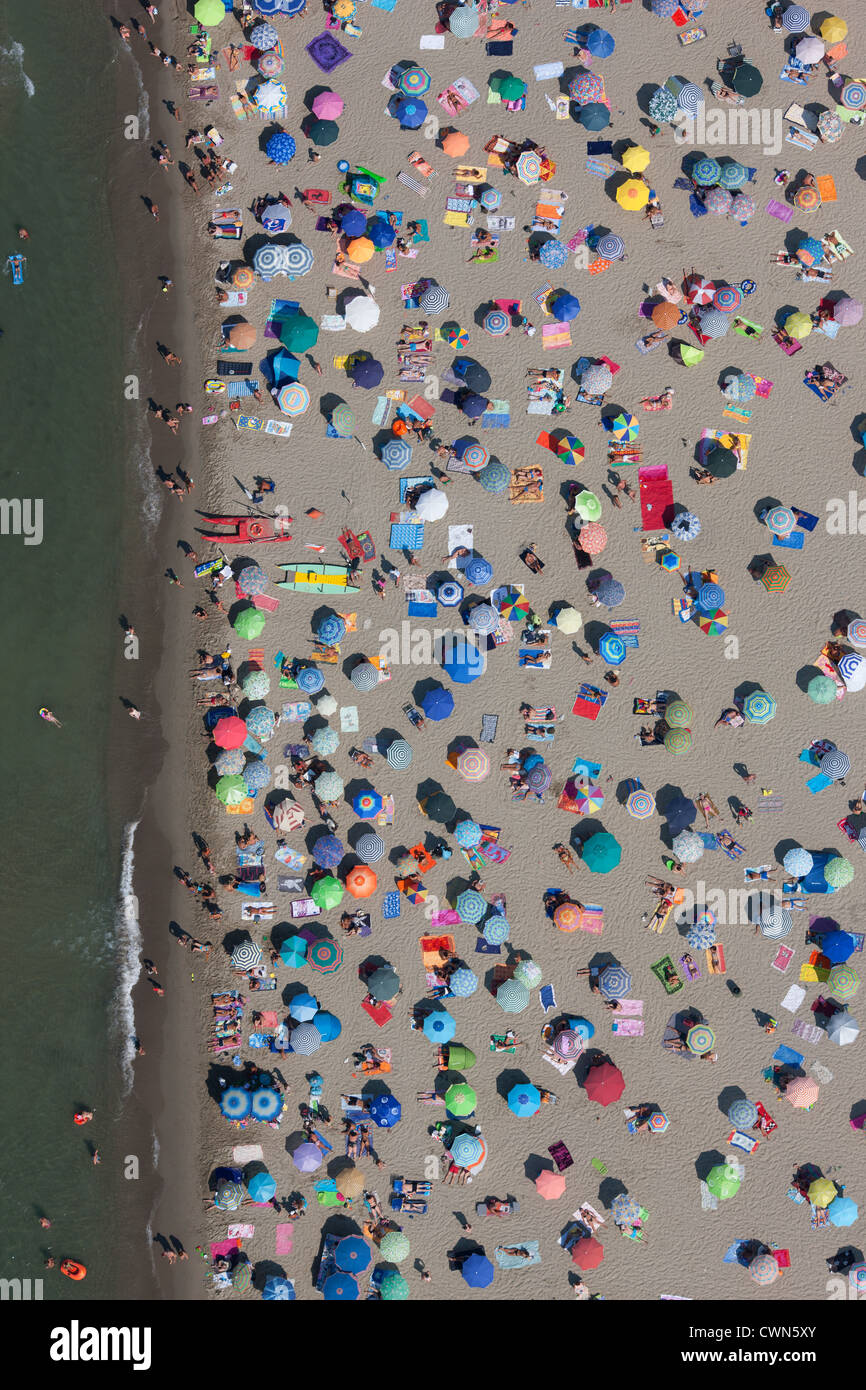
x=65 y=944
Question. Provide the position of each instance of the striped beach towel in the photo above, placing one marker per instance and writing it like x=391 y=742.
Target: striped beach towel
x=555 y=335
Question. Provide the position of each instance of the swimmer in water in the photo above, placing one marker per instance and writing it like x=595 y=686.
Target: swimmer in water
x=51 y=718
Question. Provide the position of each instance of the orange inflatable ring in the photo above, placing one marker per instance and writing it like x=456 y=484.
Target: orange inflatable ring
x=80 y=1118
x=255 y=530
x=73 y=1270
x=399 y=427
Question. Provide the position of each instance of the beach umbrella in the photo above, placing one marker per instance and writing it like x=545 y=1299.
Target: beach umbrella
x=588 y=800
x=740 y=387
x=662 y=103
x=210 y=13
x=796 y=19
x=678 y=740
x=231 y=762
x=528 y=973
x=235 y=1104
x=665 y=315
x=610 y=246
x=587 y=1253
x=727 y=298
x=266 y=1106
x=470 y=905
x=833 y=29
x=328 y=106
x=287 y=815
x=324 y=742
x=688 y=846
x=385 y=1111
x=483 y=618
x=455 y=144
x=568 y=1042
x=598 y=42
x=477 y=1270
x=329 y=786
x=592 y=538
x=678 y=715
x=281 y=147
x=838 y=872
x=625 y=1209
x=809 y=252
x=360 y=250
x=610 y=592
x=293 y=952
x=512 y=88
x=328 y=851
x=393 y=1288
x=568 y=620
x=614 y=982
x=802 y=1092
x=364 y=676
x=837 y=946
x=594 y=116
x=835 y=765
x=690 y=99
x=539 y=778
x=440 y=807
x=340 y=1288
x=601 y=853
x=857 y=632
x=810 y=49
x=240 y=335
x=632 y=195
x=434 y=300
x=843 y=1029
x=640 y=804
x=410 y=112
x=723 y=1182
x=230 y=732
x=597 y=379
x=464 y=21
x=686 y=526
x=353 y=1255
x=776 y=923
x=710 y=596
x=437 y=704
x=230 y=1195
x=293 y=399
x=781 y=520
x=764 y=1269
x=396 y=454
x=414 y=82
x=700 y=1039
x=775 y=579
x=322 y=132
x=701 y=936
x=822 y=1192
x=759 y=707
x=797 y=862
x=306 y=1039
x=477 y=570
x=821 y=690
x=798 y=325
x=587 y=505
x=439 y=1026
x=494 y=477
x=307 y=1158
x=362 y=314
x=565 y=307
x=524 y=1100
x=528 y=166
x=700 y=290
x=370 y=848
x=361 y=882
x=842 y=1211
x=743 y=1114
x=550 y=1185
x=854 y=95
x=512 y=996
x=394 y=1247
x=743 y=207
x=635 y=159
x=231 y=790
x=353 y=223
x=473 y=764
x=256 y=776
x=460 y=1099
x=586 y=87
x=496 y=322
x=298 y=333
x=473 y=455
x=309 y=679
x=380 y=233
x=496 y=930
x=718 y=201
x=604 y=1084
x=713 y=323
x=463 y=983
x=432 y=504
x=384 y=984
x=366 y=372
x=327 y=893
x=303 y=1007
x=263 y=37
x=462 y=660
x=399 y=754
x=843 y=982
x=706 y=171
x=807 y=199
x=852 y=669
x=847 y=311
x=326 y=956
x=746 y=81
x=567 y=917
x=270 y=64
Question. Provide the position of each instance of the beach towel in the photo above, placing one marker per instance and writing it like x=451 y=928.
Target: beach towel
x=547 y=998
x=283 y=1238
x=242 y=1231
x=628 y=1027
x=379 y=1013
x=243 y=1154
x=515 y=1261
x=225 y=1248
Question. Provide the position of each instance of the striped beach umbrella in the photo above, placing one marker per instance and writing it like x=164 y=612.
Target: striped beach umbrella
x=641 y=804
x=733 y=175
x=449 y=594
x=714 y=323
x=775 y=579
x=690 y=99
x=705 y=172
x=343 y=420
x=807 y=199
x=513 y=997
x=494 y=477
x=852 y=669
x=528 y=167
x=305 y=1039
x=700 y=290
x=399 y=754
x=727 y=298
x=776 y=923
x=370 y=848
x=473 y=765
x=496 y=930
x=497 y=323
x=679 y=715
x=553 y=254
x=470 y=907
x=743 y=1113
x=474 y=456
x=764 y=1269
x=843 y=982
x=567 y=917
x=857 y=632
x=466 y=1149
x=434 y=300
x=835 y=765
x=246 y=956
x=490 y=199
x=325 y=955
x=396 y=454
x=614 y=982
x=568 y=1043
x=483 y=618
x=592 y=538
x=310 y=680
x=293 y=399
x=678 y=740
x=298 y=259
x=229 y=1195
x=414 y=82
x=710 y=596
x=235 y=1103
x=364 y=676
x=463 y=982
x=539 y=778
x=759 y=707
x=700 y=1039
x=612 y=649
x=611 y=247
x=854 y=96
x=796 y=19
x=270 y=64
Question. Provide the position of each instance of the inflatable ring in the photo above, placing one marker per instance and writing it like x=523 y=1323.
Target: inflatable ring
x=73 y=1270
x=79 y=1118
x=255 y=530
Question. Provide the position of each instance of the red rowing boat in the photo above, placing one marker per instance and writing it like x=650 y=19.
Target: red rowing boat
x=247 y=530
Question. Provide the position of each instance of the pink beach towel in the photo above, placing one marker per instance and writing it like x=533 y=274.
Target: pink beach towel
x=284 y=1238
x=630 y=1008
x=628 y=1028
x=223 y=1247
x=555 y=335
x=243 y=1231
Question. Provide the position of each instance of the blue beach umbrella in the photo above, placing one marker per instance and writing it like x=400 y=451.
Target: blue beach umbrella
x=340 y=1288
x=477 y=1271
x=612 y=649
x=352 y=1255
x=293 y=952
x=385 y=1111
x=524 y=1100
x=614 y=982
x=710 y=596
x=235 y=1103
x=261 y=723
x=468 y=834
x=262 y=1187
x=743 y=1114
x=328 y=851
x=464 y=982
x=303 y=1007
x=353 y=223
x=278 y=1289
x=396 y=454
x=842 y=1211
x=281 y=147
x=494 y=477
x=553 y=254
x=438 y=704
x=257 y=776
x=439 y=1026
x=310 y=680
x=597 y=41
x=466 y=1149
x=411 y=112
x=328 y=1025
x=594 y=116
x=381 y=233
x=496 y=930
x=565 y=307
x=266 y=1105
x=837 y=946
x=462 y=660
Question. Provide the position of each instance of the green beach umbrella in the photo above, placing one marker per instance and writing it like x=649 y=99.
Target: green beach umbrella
x=587 y=506
x=529 y=974
x=601 y=853
x=678 y=715
x=231 y=790
x=838 y=872
x=343 y=420
x=393 y=1288
x=821 y=690
x=460 y=1098
x=249 y=624
x=843 y=983
x=394 y=1246
x=678 y=740
x=298 y=333
x=327 y=893
x=723 y=1182
x=210 y=13
x=512 y=89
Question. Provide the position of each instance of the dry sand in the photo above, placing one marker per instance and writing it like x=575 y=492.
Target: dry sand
x=802 y=452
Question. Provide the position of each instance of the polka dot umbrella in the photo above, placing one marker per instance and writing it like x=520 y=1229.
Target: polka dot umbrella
x=592 y=538
x=718 y=201
x=742 y=208
x=597 y=379
x=463 y=982
x=231 y=762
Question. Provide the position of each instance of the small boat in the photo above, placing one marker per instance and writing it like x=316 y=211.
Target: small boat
x=16 y=266
x=247 y=529
x=317 y=579
x=73 y=1269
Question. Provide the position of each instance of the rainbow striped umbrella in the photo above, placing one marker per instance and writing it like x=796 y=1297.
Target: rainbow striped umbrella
x=700 y=1039
x=843 y=982
x=612 y=649
x=513 y=605
x=474 y=456
x=759 y=707
x=807 y=199
x=727 y=298
x=570 y=450
x=764 y=1269
x=473 y=764
x=567 y=917
x=589 y=800
x=415 y=82
x=678 y=740
x=854 y=96
x=641 y=804
x=293 y=399
x=775 y=579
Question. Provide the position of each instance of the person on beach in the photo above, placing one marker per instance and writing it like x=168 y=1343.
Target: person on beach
x=94 y=1157
x=49 y=717
x=172 y=578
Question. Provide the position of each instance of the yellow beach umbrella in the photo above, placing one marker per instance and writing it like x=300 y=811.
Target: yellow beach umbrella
x=360 y=250
x=633 y=195
x=636 y=159
x=210 y=13
x=833 y=30
x=822 y=1192
x=799 y=325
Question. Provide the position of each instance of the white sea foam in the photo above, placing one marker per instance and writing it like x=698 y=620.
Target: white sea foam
x=128 y=946
x=151 y=492
x=14 y=64
x=155 y=1150
x=143 y=104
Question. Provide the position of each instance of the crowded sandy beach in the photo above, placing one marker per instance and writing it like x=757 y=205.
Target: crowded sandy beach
x=500 y=927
